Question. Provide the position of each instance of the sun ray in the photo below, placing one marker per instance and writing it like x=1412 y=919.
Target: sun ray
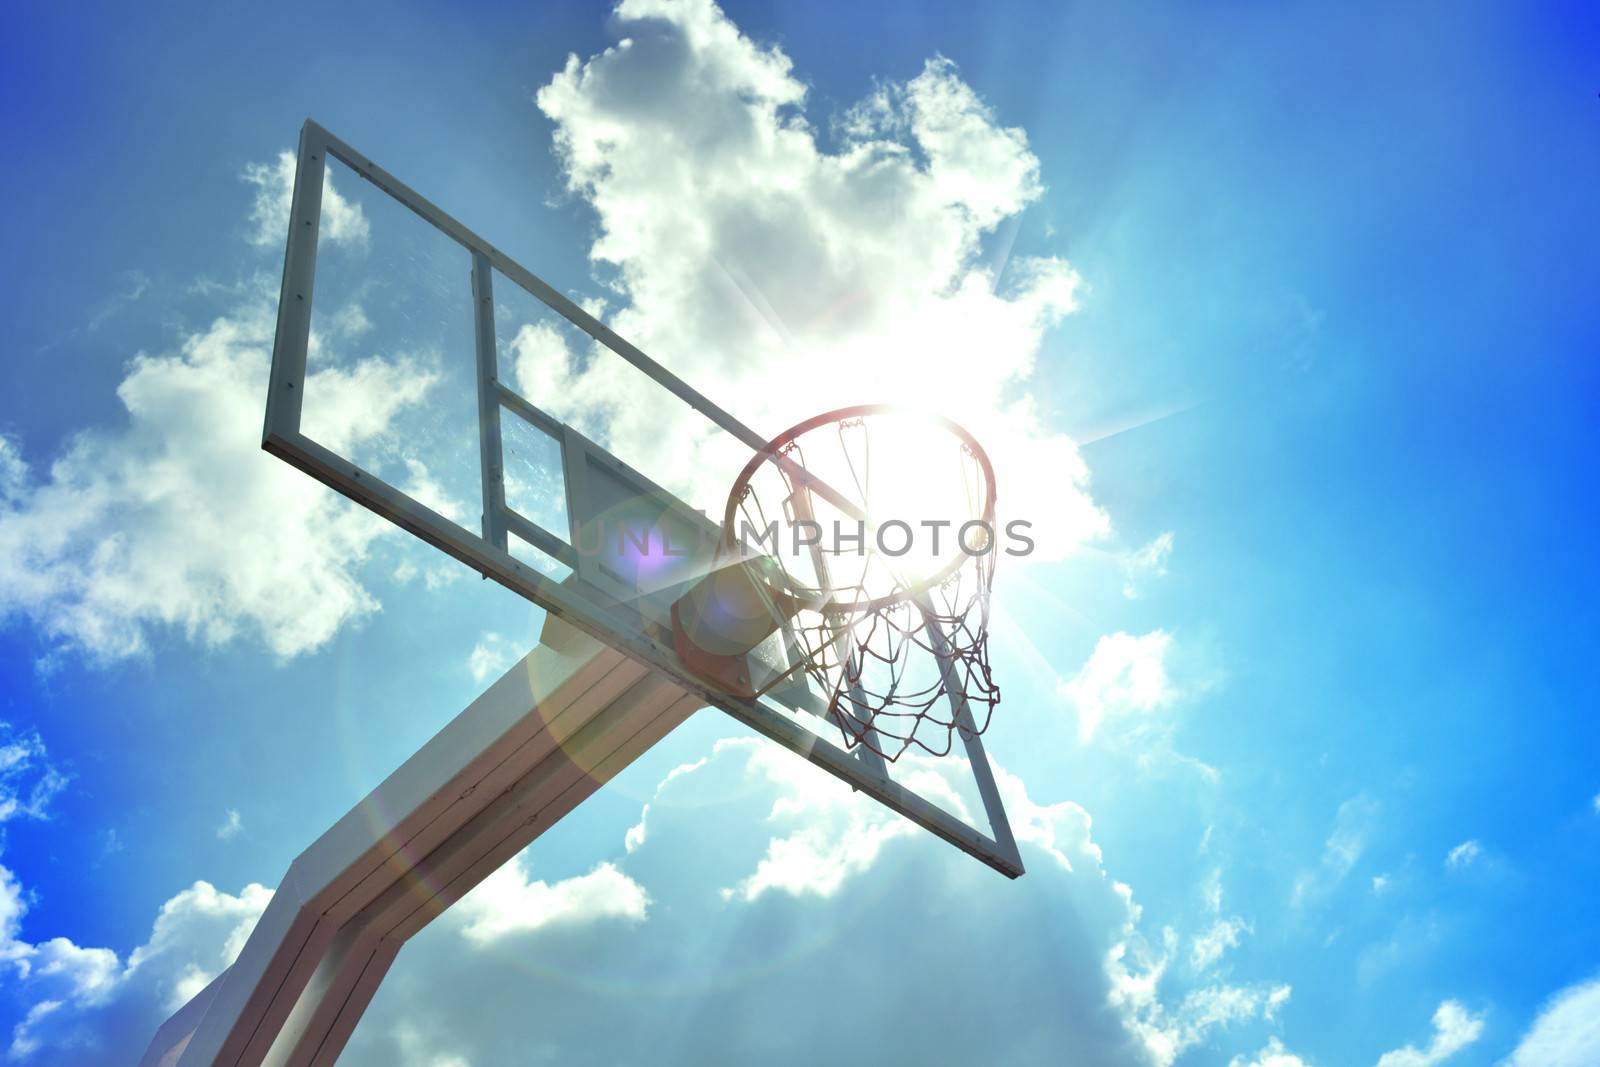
x=1114 y=428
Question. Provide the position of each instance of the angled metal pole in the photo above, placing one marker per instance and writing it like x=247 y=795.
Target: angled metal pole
x=533 y=746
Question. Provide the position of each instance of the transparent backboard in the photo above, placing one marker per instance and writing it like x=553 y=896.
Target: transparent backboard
x=446 y=388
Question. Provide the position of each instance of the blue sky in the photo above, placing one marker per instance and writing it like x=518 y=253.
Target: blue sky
x=1324 y=581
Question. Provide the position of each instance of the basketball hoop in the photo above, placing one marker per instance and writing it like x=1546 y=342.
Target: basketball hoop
x=886 y=617
x=891 y=636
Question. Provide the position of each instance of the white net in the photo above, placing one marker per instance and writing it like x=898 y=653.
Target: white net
x=873 y=528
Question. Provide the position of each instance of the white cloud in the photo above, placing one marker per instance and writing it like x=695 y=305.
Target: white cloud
x=1208 y=947
x=824 y=838
x=1454 y=1028
x=349 y=322
x=1167 y=1029
x=84 y=975
x=1463 y=855
x=743 y=249
x=421 y=1050
x=176 y=518
x=1142 y=566
x=1566 y=1032
x=426 y=490
x=343 y=222
x=830 y=832
x=138 y=283
x=28 y=780
x=1093 y=981
x=1352 y=826
x=510 y=901
x=24 y=1036
x=491 y=656
x=13 y=472
x=197 y=933
x=1211 y=888
x=1273 y=1055
x=1124 y=675
x=89 y=1000
x=179 y=520
x=637 y=833
x=232 y=825
x=1410 y=939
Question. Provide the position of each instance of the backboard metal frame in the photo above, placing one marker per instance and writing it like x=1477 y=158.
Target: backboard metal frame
x=603 y=617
